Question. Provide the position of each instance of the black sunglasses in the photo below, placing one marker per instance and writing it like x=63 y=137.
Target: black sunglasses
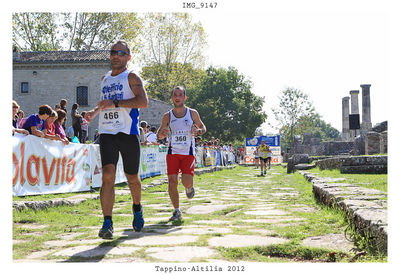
x=119 y=53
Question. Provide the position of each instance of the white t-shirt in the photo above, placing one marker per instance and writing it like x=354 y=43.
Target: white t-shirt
x=151 y=137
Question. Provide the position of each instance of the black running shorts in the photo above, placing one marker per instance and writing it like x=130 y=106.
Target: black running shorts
x=263 y=159
x=128 y=145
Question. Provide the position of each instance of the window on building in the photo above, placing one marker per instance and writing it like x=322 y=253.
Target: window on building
x=24 y=87
x=82 y=95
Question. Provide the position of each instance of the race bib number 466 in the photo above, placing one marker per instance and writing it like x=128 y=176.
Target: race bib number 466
x=111 y=120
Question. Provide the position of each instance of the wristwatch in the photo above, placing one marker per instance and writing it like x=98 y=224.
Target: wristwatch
x=116 y=102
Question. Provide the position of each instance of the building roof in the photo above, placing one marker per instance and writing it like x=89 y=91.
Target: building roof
x=61 y=56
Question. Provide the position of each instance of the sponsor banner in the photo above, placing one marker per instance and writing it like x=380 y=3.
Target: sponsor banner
x=272 y=141
x=152 y=161
x=42 y=166
x=269 y=140
x=95 y=160
x=199 y=157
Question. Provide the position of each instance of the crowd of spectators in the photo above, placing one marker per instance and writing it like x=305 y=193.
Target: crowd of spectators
x=216 y=144
x=49 y=123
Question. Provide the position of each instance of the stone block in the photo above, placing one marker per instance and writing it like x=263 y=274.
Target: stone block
x=307 y=138
x=383 y=143
x=364 y=160
x=300 y=158
x=304 y=166
x=364 y=169
x=359 y=146
x=372 y=143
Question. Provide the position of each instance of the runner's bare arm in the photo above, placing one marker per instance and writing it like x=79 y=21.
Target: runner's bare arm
x=201 y=128
x=139 y=101
x=164 y=128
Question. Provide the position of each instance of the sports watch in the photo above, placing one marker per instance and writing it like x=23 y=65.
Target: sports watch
x=116 y=102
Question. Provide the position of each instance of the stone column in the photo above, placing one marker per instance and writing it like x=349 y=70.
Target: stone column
x=366 y=108
x=345 y=118
x=354 y=111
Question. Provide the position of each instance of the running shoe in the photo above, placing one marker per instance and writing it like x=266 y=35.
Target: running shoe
x=177 y=215
x=190 y=193
x=106 y=232
x=138 y=220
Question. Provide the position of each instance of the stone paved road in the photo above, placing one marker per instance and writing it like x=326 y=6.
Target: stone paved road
x=232 y=212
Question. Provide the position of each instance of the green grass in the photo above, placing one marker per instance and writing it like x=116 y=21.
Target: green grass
x=213 y=187
x=377 y=181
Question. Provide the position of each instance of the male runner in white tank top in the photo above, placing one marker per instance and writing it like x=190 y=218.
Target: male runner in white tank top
x=122 y=94
x=183 y=124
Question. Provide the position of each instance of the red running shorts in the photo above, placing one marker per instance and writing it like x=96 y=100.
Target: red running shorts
x=176 y=162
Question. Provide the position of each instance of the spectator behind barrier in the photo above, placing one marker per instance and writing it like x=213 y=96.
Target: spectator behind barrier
x=151 y=136
x=59 y=130
x=50 y=131
x=15 y=109
x=35 y=123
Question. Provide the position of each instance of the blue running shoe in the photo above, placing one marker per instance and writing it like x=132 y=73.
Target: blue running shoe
x=138 y=220
x=106 y=232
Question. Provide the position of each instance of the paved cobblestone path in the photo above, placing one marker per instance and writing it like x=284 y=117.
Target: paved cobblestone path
x=232 y=210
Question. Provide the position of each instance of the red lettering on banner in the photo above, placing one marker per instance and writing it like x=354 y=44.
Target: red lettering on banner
x=48 y=174
x=71 y=179
x=16 y=174
x=21 y=178
x=58 y=171
x=63 y=162
x=33 y=160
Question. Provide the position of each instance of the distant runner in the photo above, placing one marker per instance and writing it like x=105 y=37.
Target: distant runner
x=263 y=157
x=183 y=124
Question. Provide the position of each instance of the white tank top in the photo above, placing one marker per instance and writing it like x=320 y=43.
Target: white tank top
x=181 y=141
x=115 y=120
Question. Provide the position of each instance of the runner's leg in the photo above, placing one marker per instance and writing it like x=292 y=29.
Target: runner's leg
x=107 y=193
x=187 y=181
x=135 y=186
x=173 y=190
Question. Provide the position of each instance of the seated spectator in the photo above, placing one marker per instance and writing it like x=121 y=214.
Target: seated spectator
x=151 y=136
x=144 y=126
x=59 y=130
x=15 y=108
x=35 y=123
x=50 y=132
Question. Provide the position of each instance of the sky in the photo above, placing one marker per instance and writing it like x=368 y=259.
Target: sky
x=323 y=55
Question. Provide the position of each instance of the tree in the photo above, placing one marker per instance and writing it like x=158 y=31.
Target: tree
x=226 y=104
x=318 y=128
x=159 y=80
x=172 y=52
x=73 y=31
x=88 y=31
x=35 y=31
x=293 y=105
